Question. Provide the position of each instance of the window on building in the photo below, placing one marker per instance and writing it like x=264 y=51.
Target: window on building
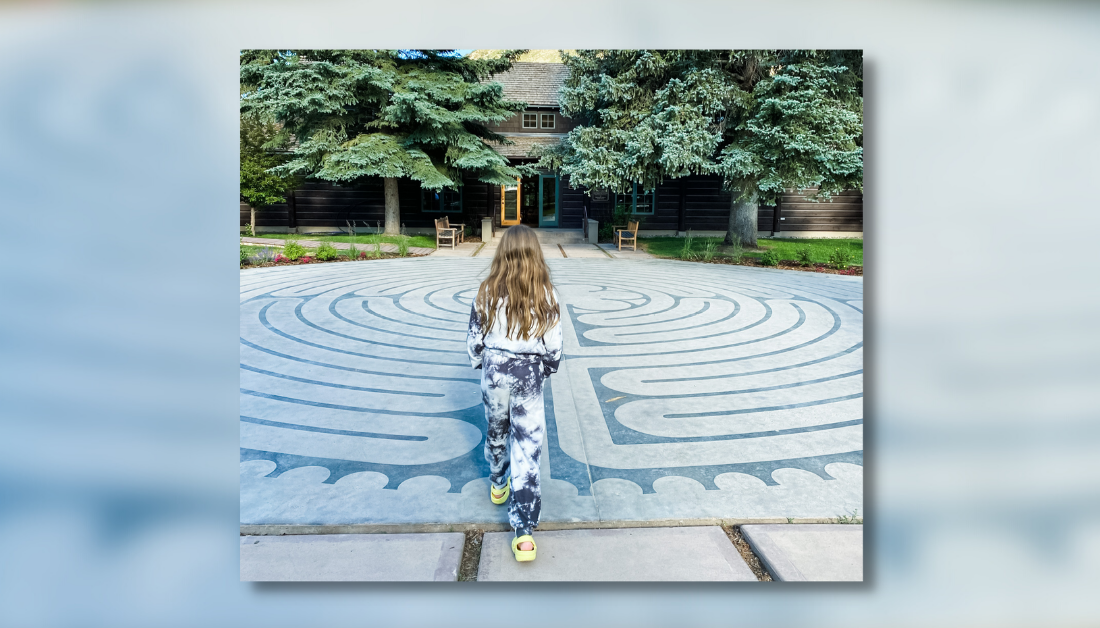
x=547 y=120
x=637 y=201
x=449 y=201
x=530 y=120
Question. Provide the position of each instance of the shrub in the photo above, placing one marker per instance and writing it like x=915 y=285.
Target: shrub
x=293 y=250
x=606 y=233
x=841 y=258
x=770 y=258
x=353 y=252
x=244 y=256
x=262 y=256
x=709 y=249
x=735 y=251
x=247 y=233
x=685 y=251
x=280 y=258
x=804 y=256
x=326 y=252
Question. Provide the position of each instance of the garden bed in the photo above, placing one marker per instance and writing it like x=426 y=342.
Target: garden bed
x=308 y=260
x=783 y=265
x=278 y=259
x=818 y=255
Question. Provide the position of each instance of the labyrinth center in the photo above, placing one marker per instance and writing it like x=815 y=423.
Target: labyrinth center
x=685 y=390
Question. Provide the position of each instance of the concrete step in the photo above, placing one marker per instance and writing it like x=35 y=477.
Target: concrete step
x=701 y=553
x=351 y=557
x=809 y=552
x=559 y=236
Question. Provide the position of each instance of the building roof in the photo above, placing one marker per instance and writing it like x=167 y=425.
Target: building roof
x=524 y=144
x=537 y=84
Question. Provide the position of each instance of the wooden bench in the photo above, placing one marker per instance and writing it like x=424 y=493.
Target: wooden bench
x=461 y=228
x=445 y=232
x=628 y=234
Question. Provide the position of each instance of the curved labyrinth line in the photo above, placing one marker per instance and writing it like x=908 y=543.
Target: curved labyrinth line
x=669 y=369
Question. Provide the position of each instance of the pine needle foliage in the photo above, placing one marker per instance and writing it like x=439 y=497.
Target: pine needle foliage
x=349 y=114
x=764 y=120
x=261 y=188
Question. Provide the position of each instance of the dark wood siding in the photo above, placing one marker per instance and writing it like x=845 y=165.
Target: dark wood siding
x=273 y=216
x=707 y=205
x=321 y=205
x=515 y=123
x=572 y=206
x=844 y=212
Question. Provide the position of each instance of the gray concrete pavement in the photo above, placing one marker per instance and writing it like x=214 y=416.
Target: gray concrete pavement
x=809 y=552
x=351 y=557
x=625 y=253
x=464 y=249
x=635 y=554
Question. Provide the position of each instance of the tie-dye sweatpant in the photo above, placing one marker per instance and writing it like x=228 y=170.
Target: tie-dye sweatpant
x=511 y=388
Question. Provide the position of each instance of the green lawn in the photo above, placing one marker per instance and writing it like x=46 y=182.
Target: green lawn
x=424 y=241
x=820 y=248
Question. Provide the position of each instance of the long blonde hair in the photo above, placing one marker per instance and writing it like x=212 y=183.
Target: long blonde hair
x=519 y=273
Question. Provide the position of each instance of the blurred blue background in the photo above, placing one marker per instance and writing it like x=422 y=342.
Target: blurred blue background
x=118 y=310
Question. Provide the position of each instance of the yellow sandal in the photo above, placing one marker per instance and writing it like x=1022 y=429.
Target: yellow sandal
x=500 y=497
x=524 y=555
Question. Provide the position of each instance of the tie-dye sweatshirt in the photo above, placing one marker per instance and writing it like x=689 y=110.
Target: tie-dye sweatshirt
x=548 y=346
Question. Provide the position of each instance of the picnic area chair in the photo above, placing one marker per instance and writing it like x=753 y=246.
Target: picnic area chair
x=443 y=232
x=461 y=229
x=628 y=235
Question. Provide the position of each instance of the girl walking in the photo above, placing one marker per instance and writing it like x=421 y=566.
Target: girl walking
x=515 y=339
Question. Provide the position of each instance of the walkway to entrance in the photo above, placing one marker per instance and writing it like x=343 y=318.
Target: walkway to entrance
x=556 y=244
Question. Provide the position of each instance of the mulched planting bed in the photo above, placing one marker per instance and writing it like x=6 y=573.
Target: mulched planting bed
x=471 y=556
x=785 y=264
x=311 y=260
x=743 y=548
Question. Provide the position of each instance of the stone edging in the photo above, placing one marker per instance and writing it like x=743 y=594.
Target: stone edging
x=415 y=528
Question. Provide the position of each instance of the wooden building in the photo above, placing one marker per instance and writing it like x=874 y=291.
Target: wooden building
x=548 y=200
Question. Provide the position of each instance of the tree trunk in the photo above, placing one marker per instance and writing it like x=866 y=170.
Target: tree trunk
x=742 y=225
x=252 y=212
x=393 y=208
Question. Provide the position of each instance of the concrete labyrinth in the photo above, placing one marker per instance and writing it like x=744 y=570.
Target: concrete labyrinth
x=686 y=391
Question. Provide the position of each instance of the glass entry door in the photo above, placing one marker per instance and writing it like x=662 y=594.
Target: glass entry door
x=509 y=204
x=548 y=200
x=531 y=200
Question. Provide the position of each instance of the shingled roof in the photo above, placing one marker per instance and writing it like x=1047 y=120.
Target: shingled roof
x=537 y=84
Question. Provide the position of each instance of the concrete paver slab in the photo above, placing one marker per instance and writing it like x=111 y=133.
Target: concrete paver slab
x=685 y=391
x=701 y=553
x=464 y=249
x=626 y=253
x=815 y=552
x=584 y=250
x=351 y=557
